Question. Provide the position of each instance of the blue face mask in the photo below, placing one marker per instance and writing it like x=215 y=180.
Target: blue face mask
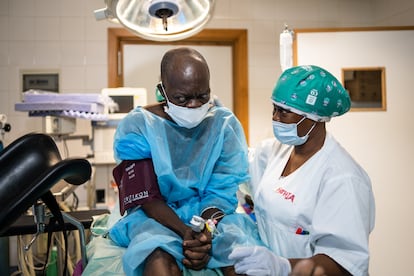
x=288 y=133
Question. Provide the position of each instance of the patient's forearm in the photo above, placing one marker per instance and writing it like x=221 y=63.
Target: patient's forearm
x=161 y=212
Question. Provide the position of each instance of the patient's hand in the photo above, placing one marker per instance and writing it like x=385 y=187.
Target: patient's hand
x=196 y=249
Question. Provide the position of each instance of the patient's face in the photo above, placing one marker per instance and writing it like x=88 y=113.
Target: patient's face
x=188 y=85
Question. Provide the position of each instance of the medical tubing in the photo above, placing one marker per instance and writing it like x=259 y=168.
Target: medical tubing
x=58 y=237
x=208 y=208
x=76 y=234
x=211 y=226
x=214 y=217
x=25 y=258
x=22 y=263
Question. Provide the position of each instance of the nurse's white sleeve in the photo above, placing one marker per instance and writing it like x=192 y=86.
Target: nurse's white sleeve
x=342 y=221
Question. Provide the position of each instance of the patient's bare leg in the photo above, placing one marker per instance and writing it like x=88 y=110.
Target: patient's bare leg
x=161 y=263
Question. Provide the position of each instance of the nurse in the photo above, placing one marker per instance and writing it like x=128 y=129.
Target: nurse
x=311 y=199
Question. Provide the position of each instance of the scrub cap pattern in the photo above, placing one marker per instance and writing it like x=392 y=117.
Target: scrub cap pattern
x=311 y=91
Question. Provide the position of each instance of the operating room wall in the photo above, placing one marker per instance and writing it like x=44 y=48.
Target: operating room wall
x=63 y=36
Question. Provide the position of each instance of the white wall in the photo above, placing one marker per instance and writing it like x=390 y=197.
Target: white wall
x=63 y=35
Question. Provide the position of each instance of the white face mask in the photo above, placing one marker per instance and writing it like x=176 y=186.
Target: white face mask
x=288 y=133
x=185 y=116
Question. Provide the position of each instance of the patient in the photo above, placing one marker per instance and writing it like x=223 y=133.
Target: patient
x=199 y=155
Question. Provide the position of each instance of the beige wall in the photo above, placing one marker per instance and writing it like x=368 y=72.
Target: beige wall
x=62 y=35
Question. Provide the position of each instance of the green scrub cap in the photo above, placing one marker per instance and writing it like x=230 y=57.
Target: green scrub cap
x=312 y=92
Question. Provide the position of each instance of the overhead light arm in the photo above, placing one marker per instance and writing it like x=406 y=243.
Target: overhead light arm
x=159 y=20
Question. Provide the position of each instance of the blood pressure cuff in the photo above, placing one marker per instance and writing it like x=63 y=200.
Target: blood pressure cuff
x=137 y=183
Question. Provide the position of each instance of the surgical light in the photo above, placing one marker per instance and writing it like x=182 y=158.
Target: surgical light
x=159 y=20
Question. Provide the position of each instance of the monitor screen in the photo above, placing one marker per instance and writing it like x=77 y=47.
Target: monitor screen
x=125 y=103
x=127 y=99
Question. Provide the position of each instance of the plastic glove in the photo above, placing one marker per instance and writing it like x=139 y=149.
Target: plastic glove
x=258 y=261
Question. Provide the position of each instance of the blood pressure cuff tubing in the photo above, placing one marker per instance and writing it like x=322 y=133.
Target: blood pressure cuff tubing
x=137 y=183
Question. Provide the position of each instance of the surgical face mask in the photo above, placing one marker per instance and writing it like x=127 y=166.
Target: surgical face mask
x=187 y=117
x=288 y=133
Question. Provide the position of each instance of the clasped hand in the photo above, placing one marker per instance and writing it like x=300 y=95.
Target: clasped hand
x=196 y=249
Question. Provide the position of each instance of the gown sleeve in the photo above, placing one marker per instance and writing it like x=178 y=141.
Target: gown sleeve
x=230 y=169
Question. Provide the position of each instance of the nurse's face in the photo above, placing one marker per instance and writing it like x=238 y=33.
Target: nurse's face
x=285 y=116
x=288 y=117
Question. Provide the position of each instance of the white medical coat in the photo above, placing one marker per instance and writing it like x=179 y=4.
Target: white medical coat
x=325 y=207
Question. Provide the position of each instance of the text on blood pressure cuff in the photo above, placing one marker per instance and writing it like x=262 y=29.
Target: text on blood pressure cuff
x=137 y=183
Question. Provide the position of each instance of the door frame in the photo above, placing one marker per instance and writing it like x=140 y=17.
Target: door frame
x=235 y=38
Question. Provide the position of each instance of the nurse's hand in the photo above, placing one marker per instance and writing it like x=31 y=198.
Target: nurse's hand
x=196 y=249
x=258 y=261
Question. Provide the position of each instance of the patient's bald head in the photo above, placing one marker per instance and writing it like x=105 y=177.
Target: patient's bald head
x=183 y=65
